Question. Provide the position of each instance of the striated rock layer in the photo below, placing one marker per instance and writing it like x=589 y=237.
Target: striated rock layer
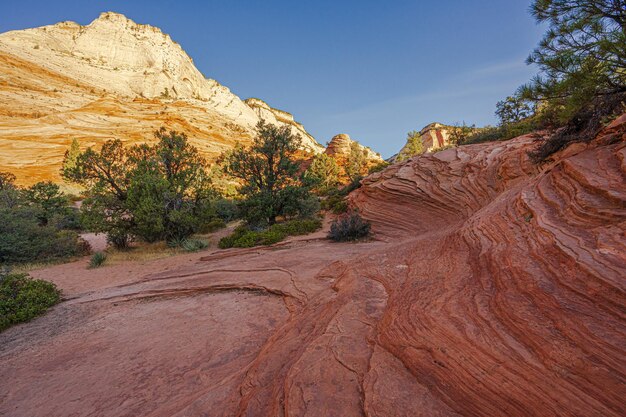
x=113 y=78
x=494 y=287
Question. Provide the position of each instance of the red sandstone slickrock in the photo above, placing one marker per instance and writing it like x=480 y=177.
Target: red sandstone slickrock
x=494 y=287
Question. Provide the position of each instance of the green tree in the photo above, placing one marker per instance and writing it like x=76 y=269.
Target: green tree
x=106 y=176
x=582 y=54
x=170 y=189
x=71 y=155
x=356 y=162
x=413 y=146
x=7 y=180
x=48 y=198
x=323 y=173
x=460 y=132
x=150 y=192
x=268 y=174
x=514 y=109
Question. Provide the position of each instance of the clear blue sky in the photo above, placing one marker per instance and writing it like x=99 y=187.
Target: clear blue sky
x=372 y=69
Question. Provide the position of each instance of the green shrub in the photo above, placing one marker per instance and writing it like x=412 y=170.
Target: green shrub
x=349 y=226
x=212 y=226
x=335 y=203
x=23 y=239
x=97 y=259
x=194 y=245
x=243 y=237
x=23 y=298
x=226 y=209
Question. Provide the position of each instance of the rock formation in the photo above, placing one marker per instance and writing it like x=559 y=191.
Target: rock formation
x=493 y=287
x=433 y=137
x=339 y=146
x=113 y=78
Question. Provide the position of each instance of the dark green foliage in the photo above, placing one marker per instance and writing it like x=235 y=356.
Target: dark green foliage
x=7 y=181
x=269 y=176
x=48 y=198
x=159 y=192
x=582 y=61
x=244 y=237
x=23 y=298
x=226 y=209
x=349 y=226
x=97 y=259
x=584 y=126
x=514 y=109
x=212 y=226
x=335 y=203
x=23 y=237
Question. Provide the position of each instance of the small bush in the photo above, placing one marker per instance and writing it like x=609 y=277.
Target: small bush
x=349 y=226
x=243 y=237
x=97 y=259
x=23 y=298
x=335 y=203
x=212 y=226
x=226 y=210
x=194 y=245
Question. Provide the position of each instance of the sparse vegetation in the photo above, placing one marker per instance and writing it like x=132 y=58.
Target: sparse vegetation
x=412 y=148
x=245 y=237
x=348 y=227
x=97 y=259
x=23 y=298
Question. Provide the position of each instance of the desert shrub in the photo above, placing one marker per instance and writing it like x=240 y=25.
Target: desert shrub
x=226 y=209
x=349 y=226
x=69 y=219
x=244 y=237
x=212 y=226
x=23 y=298
x=335 y=203
x=378 y=167
x=298 y=227
x=97 y=259
x=23 y=239
x=194 y=245
x=583 y=126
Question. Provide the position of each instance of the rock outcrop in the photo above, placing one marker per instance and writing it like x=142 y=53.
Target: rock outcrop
x=111 y=78
x=433 y=137
x=339 y=147
x=493 y=287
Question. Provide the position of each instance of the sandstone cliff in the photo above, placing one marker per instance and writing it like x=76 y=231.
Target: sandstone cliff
x=113 y=78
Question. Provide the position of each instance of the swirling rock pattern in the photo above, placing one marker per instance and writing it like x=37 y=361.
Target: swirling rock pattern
x=494 y=287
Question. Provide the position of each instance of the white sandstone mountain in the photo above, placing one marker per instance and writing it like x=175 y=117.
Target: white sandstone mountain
x=112 y=78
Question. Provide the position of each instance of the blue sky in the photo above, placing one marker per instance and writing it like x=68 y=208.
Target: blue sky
x=372 y=69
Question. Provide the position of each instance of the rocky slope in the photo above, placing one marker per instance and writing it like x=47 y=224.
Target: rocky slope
x=111 y=78
x=493 y=287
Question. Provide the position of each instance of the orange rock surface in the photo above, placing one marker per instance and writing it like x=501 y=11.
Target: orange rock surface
x=493 y=287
